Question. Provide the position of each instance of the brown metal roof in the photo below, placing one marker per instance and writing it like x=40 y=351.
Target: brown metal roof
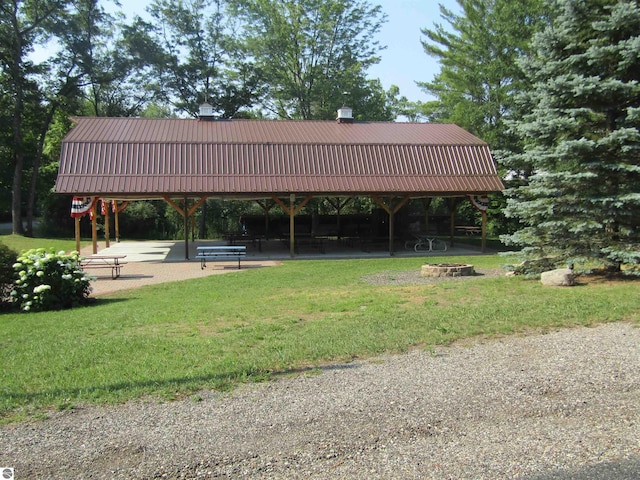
x=131 y=157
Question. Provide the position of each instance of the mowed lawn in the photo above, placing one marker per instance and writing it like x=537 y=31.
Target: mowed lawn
x=171 y=340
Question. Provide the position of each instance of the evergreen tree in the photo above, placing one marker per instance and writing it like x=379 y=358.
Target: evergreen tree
x=478 y=51
x=582 y=202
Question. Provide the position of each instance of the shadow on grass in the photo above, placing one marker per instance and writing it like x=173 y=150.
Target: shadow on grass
x=171 y=386
x=314 y=369
x=220 y=381
x=101 y=301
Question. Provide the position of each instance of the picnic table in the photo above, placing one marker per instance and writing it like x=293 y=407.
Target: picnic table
x=104 y=261
x=425 y=242
x=469 y=230
x=236 y=238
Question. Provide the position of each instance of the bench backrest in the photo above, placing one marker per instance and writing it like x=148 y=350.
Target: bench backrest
x=232 y=249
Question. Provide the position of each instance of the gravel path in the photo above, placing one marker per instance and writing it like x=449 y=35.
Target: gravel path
x=562 y=405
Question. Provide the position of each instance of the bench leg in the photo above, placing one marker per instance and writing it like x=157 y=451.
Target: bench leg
x=203 y=264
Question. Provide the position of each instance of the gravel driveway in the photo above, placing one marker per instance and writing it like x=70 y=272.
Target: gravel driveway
x=561 y=405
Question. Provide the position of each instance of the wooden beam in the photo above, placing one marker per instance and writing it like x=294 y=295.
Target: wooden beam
x=196 y=205
x=282 y=205
x=107 y=226
x=265 y=207
x=119 y=208
x=94 y=229
x=392 y=208
x=484 y=231
x=292 y=207
x=338 y=205
x=292 y=225
x=77 y=225
x=452 y=219
x=382 y=203
x=301 y=205
x=292 y=210
x=174 y=205
x=427 y=204
x=186 y=229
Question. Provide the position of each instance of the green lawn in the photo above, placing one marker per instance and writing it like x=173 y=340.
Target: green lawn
x=19 y=243
x=173 y=339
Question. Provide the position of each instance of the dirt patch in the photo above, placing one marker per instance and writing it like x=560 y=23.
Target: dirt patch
x=599 y=277
x=414 y=277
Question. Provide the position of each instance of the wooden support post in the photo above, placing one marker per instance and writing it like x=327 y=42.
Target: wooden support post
x=116 y=221
x=266 y=209
x=338 y=205
x=186 y=229
x=186 y=213
x=292 y=222
x=452 y=219
x=94 y=229
x=107 y=239
x=77 y=224
x=427 y=205
x=391 y=209
x=484 y=231
x=292 y=210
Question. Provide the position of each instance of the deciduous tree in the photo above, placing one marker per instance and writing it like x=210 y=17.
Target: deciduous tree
x=23 y=25
x=191 y=56
x=479 y=76
x=314 y=55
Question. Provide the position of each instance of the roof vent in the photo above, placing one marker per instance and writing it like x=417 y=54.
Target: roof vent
x=206 y=112
x=345 y=115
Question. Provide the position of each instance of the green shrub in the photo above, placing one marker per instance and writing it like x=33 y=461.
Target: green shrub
x=46 y=280
x=7 y=259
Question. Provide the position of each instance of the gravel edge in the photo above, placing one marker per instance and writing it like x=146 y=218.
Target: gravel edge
x=557 y=405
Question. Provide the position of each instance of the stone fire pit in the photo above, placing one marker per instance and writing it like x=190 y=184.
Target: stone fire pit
x=447 y=270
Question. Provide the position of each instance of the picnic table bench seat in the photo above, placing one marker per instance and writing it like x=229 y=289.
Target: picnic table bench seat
x=469 y=229
x=220 y=252
x=104 y=261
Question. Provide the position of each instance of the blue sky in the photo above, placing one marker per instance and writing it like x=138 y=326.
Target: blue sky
x=404 y=61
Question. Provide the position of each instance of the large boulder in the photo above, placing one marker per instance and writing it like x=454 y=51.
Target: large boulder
x=562 y=277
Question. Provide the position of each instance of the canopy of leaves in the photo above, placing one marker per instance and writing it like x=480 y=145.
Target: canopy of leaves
x=190 y=55
x=314 y=55
x=478 y=51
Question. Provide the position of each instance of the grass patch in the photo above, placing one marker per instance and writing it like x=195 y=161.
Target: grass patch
x=19 y=244
x=175 y=339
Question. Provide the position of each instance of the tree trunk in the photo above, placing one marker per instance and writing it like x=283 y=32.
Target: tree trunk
x=31 y=201
x=18 y=156
x=16 y=195
x=15 y=70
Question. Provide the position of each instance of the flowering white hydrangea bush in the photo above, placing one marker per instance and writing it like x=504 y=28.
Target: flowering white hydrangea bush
x=46 y=280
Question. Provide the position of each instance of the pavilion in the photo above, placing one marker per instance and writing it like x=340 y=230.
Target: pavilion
x=186 y=161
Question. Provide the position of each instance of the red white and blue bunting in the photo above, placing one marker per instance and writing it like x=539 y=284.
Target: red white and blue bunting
x=80 y=206
x=480 y=202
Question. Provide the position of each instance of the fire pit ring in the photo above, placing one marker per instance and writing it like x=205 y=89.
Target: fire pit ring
x=447 y=270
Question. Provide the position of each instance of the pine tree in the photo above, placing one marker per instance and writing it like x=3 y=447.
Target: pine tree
x=582 y=203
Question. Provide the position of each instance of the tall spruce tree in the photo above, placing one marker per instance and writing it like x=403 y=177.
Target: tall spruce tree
x=582 y=202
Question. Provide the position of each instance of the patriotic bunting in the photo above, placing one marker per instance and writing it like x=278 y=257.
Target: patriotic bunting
x=480 y=202
x=80 y=206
